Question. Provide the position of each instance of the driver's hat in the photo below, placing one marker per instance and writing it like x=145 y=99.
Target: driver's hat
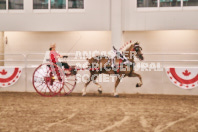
x=52 y=45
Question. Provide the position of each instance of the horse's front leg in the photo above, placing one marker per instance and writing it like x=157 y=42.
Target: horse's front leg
x=140 y=78
x=116 y=84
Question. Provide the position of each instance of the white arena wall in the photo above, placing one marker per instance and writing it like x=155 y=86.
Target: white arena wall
x=95 y=16
x=154 y=82
x=34 y=42
x=102 y=15
x=165 y=18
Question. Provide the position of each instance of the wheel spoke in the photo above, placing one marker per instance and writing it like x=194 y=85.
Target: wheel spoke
x=71 y=79
x=69 y=83
x=40 y=73
x=42 y=85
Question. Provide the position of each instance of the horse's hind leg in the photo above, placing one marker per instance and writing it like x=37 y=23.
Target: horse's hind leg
x=116 y=84
x=99 y=86
x=85 y=87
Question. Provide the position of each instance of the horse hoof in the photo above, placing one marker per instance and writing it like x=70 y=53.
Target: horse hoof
x=100 y=91
x=116 y=96
x=137 y=85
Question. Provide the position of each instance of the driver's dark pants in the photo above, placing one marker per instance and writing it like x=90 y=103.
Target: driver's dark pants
x=64 y=64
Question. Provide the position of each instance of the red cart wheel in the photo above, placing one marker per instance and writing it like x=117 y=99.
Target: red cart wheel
x=48 y=79
x=69 y=84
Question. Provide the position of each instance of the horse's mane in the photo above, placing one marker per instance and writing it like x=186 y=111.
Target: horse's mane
x=127 y=45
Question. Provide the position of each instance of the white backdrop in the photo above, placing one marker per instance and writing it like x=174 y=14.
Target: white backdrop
x=151 y=41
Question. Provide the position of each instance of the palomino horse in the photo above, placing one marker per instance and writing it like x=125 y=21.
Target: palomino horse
x=103 y=61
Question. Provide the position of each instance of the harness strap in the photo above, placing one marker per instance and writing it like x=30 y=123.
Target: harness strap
x=132 y=67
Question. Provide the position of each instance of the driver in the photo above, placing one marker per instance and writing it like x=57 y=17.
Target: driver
x=54 y=56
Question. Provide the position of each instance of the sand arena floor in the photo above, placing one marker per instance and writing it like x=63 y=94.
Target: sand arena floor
x=29 y=112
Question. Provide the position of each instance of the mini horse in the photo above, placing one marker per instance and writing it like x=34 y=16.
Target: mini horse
x=103 y=61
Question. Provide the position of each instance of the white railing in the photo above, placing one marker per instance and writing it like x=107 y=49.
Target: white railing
x=170 y=53
x=26 y=59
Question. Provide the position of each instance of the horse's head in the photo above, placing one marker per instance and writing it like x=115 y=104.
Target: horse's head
x=136 y=48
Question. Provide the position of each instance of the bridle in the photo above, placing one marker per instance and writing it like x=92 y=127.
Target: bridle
x=136 y=48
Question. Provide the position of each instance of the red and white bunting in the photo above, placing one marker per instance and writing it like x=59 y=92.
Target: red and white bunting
x=9 y=75
x=183 y=77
